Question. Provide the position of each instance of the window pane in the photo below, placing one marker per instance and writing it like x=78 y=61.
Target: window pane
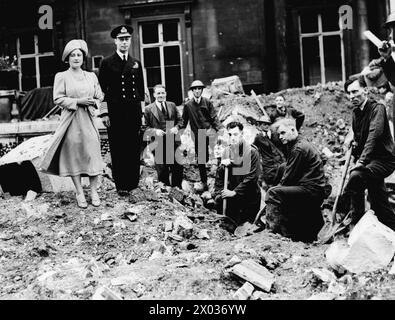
x=45 y=41
x=28 y=69
x=311 y=61
x=153 y=76
x=330 y=20
x=151 y=57
x=26 y=43
x=150 y=32
x=170 y=31
x=333 y=60
x=309 y=22
x=47 y=71
x=172 y=55
x=173 y=84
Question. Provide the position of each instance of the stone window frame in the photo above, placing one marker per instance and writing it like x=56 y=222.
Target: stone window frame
x=36 y=55
x=146 y=11
x=320 y=35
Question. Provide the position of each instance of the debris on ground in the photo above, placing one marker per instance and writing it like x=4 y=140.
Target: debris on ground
x=370 y=247
x=245 y=292
x=252 y=272
x=104 y=293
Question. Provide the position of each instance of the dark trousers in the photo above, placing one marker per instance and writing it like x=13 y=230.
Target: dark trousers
x=294 y=212
x=164 y=167
x=371 y=178
x=240 y=209
x=201 y=159
x=125 y=142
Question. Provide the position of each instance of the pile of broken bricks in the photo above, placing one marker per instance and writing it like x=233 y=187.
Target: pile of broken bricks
x=370 y=247
x=258 y=279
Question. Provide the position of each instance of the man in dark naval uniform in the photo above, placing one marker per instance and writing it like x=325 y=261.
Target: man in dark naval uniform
x=121 y=79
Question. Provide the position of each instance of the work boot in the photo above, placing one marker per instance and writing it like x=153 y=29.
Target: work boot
x=357 y=208
x=275 y=220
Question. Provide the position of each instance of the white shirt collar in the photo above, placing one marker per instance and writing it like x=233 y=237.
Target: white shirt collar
x=122 y=54
x=198 y=100
x=159 y=104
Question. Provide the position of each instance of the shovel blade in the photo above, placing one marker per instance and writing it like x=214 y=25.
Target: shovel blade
x=327 y=232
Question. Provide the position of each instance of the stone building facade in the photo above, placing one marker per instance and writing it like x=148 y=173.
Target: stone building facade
x=269 y=44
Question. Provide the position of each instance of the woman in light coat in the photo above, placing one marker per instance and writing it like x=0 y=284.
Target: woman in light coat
x=75 y=149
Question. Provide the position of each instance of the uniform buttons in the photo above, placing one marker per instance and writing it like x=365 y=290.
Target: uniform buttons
x=124 y=96
x=134 y=96
x=133 y=82
x=123 y=77
x=132 y=75
x=123 y=89
x=123 y=82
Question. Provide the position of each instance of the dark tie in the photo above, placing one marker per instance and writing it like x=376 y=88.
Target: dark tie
x=124 y=58
x=164 y=110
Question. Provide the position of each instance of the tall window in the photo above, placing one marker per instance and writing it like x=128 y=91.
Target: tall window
x=36 y=60
x=321 y=47
x=160 y=45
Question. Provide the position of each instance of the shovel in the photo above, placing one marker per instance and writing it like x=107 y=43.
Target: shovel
x=332 y=227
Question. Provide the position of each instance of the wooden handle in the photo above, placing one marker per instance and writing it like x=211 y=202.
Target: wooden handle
x=259 y=103
x=224 y=203
x=376 y=41
x=340 y=190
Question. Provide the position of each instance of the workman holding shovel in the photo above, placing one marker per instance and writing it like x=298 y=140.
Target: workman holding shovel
x=241 y=190
x=374 y=156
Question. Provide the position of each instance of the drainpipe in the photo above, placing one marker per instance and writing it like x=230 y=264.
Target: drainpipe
x=363 y=50
x=280 y=19
x=81 y=16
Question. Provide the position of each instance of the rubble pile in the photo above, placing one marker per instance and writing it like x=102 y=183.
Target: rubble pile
x=327 y=110
x=166 y=243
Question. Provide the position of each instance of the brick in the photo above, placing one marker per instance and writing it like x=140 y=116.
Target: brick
x=232 y=262
x=244 y=292
x=183 y=227
x=31 y=195
x=104 y=293
x=254 y=273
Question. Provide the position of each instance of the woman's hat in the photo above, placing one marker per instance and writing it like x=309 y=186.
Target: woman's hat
x=72 y=45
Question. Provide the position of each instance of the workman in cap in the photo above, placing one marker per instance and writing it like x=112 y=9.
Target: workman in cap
x=272 y=159
x=121 y=79
x=200 y=113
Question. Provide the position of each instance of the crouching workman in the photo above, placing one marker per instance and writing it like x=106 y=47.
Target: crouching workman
x=374 y=154
x=293 y=207
x=243 y=194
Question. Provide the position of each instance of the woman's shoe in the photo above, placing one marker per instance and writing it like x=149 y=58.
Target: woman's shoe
x=81 y=201
x=95 y=199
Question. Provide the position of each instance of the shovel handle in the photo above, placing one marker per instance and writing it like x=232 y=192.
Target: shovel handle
x=224 y=203
x=340 y=190
x=259 y=103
